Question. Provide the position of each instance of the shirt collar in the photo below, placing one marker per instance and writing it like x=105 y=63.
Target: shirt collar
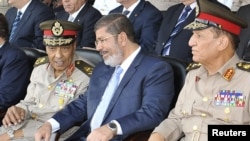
x=125 y=65
x=23 y=9
x=74 y=15
x=131 y=8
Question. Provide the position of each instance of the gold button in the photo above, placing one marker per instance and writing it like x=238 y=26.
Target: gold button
x=195 y=127
x=226 y=119
x=40 y=105
x=205 y=99
x=227 y=110
x=203 y=115
x=49 y=87
x=70 y=80
x=184 y=113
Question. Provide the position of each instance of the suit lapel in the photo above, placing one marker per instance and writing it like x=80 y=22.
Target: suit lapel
x=25 y=17
x=175 y=17
x=79 y=18
x=189 y=19
x=125 y=80
x=137 y=11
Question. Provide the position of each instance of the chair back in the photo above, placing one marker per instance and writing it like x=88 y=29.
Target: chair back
x=179 y=69
x=89 y=54
x=33 y=54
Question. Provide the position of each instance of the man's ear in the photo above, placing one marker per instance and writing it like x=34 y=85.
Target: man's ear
x=223 y=42
x=122 y=38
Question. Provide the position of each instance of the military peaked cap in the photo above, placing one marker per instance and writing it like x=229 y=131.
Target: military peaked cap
x=210 y=13
x=59 y=32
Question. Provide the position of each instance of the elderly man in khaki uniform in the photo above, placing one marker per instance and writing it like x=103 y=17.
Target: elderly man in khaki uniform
x=217 y=89
x=56 y=80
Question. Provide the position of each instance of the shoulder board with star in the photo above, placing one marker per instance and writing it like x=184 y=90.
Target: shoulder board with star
x=84 y=67
x=244 y=66
x=193 y=66
x=41 y=60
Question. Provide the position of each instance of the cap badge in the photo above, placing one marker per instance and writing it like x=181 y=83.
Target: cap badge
x=57 y=29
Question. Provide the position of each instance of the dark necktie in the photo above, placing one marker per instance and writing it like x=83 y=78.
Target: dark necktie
x=15 y=24
x=181 y=19
x=126 y=12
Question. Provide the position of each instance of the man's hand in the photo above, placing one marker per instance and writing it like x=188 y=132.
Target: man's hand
x=156 y=137
x=44 y=132
x=101 y=134
x=14 y=115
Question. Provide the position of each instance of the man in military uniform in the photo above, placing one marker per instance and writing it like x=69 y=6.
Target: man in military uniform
x=56 y=80
x=217 y=89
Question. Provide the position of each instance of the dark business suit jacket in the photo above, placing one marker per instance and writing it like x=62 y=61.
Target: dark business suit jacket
x=243 y=49
x=140 y=102
x=179 y=46
x=146 y=20
x=28 y=32
x=87 y=18
x=14 y=75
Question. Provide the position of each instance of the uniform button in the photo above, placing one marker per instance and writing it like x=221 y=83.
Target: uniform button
x=227 y=110
x=195 y=127
x=49 y=87
x=205 y=99
x=203 y=115
x=184 y=113
x=40 y=105
x=70 y=80
x=226 y=119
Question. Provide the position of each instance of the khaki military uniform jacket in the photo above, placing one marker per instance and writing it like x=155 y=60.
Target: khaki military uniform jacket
x=46 y=94
x=222 y=98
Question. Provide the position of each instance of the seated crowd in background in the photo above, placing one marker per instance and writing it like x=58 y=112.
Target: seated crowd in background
x=153 y=29
x=24 y=18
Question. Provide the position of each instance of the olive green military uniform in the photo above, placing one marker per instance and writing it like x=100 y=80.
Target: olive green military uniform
x=222 y=98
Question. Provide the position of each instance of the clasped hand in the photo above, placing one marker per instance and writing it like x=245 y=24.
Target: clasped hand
x=13 y=116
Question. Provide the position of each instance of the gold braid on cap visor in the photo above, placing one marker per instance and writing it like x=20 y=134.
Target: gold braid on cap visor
x=58 y=41
x=201 y=24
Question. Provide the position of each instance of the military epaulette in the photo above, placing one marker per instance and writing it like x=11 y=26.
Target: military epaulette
x=41 y=60
x=193 y=66
x=84 y=67
x=244 y=66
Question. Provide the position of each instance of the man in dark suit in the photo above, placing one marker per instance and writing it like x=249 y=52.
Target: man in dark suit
x=81 y=12
x=141 y=100
x=146 y=20
x=243 y=49
x=14 y=71
x=28 y=33
x=179 y=42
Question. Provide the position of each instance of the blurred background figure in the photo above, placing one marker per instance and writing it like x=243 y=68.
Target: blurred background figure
x=172 y=39
x=244 y=46
x=146 y=19
x=104 y=6
x=82 y=13
x=14 y=71
x=24 y=18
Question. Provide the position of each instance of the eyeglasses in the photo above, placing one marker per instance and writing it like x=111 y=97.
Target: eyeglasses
x=103 y=40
